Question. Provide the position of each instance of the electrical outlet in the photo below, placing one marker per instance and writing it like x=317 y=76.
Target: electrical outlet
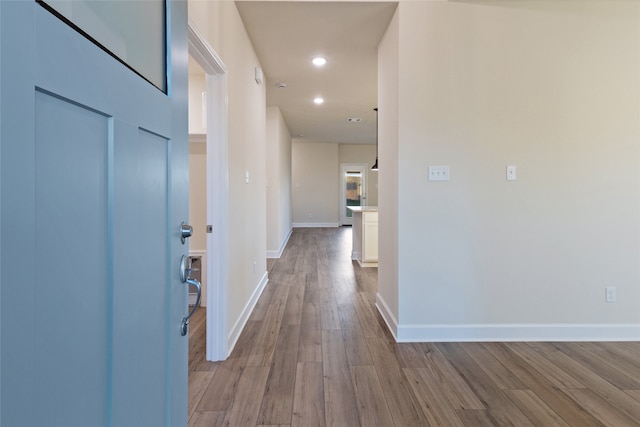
x=255 y=264
x=610 y=294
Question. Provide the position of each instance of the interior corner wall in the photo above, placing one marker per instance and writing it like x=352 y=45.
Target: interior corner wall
x=366 y=154
x=278 y=166
x=315 y=176
x=221 y=24
x=554 y=89
x=388 y=146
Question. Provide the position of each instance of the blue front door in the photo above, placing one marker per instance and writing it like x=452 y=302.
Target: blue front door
x=93 y=189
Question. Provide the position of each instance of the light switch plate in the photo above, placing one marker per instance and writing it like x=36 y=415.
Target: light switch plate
x=511 y=173
x=438 y=173
x=610 y=294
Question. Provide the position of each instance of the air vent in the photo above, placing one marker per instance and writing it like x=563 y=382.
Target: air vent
x=354 y=119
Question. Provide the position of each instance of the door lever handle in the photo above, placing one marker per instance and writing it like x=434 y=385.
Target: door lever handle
x=186 y=278
x=184 y=327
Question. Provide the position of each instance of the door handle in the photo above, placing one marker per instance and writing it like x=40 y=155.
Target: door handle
x=184 y=327
x=185 y=277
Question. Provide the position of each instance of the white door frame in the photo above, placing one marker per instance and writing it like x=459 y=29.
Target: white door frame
x=343 y=205
x=217 y=192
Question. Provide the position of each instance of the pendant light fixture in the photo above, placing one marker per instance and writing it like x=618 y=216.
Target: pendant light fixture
x=375 y=165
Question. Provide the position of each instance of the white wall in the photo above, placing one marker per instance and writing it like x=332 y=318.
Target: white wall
x=220 y=22
x=388 y=81
x=554 y=88
x=315 y=177
x=278 y=164
x=198 y=194
x=316 y=180
x=197 y=85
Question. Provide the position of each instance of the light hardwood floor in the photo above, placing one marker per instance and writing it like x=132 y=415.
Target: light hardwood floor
x=315 y=352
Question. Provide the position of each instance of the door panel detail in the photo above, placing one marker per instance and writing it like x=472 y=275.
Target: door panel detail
x=141 y=256
x=71 y=165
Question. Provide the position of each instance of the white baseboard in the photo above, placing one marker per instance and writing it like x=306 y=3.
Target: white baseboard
x=506 y=332
x=387 y=315
x=278 y=253
x=518 y=332
x=246 y=312
x=316 y=225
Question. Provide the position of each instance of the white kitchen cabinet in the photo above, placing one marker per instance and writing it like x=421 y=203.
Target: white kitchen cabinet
x=365 y=235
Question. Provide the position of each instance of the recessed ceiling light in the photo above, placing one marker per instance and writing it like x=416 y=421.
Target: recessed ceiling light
x=319 y=61
x=318 y=100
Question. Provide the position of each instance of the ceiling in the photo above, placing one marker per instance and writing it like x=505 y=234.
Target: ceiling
x=287 y=35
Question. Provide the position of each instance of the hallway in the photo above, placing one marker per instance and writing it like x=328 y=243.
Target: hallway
x=315 y=352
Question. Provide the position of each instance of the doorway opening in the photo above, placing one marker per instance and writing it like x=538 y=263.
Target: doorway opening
x=197 y=190
x=353 y=189
x=208 y=198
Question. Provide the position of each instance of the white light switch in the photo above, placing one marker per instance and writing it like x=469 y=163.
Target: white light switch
x=610 y=294
x=438 y=173
x=246 y=177
x=511 y=173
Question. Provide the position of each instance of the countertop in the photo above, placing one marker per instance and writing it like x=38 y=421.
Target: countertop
x=363 y=208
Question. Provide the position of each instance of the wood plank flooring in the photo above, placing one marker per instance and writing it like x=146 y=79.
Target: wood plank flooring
x=315 y=352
